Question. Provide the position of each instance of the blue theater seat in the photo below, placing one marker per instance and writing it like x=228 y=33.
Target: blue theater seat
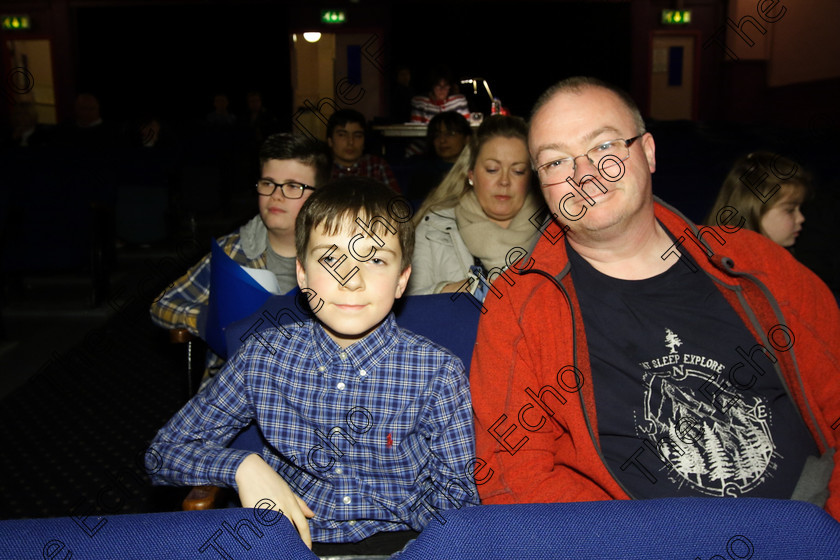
x=669 y=528
x=663 y=529
x=230 y=533
x=450 y=323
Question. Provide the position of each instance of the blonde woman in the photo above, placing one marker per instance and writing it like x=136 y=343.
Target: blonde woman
x=481 y=210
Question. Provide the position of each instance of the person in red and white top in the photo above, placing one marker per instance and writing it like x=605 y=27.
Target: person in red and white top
x=441 y=98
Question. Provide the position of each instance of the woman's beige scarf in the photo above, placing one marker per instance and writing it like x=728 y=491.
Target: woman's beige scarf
x=489 y=241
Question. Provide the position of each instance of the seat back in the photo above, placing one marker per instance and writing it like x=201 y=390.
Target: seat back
x=668 y=528
x=452 y=324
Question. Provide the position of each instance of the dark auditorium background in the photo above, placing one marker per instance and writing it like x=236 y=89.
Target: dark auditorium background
x=90 y=235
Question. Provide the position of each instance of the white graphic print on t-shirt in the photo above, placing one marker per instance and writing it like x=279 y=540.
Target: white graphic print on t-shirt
x=723 y=450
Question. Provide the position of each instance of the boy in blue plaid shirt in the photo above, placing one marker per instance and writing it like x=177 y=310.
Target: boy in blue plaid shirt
x=370 y=425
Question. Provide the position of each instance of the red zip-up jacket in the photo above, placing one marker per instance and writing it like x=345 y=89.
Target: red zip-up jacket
x=529 y=340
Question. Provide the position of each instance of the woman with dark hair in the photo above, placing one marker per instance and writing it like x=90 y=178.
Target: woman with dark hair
x=468 y=224
x=446 y=136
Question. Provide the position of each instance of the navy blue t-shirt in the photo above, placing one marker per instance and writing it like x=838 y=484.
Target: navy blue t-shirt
x=664 y=353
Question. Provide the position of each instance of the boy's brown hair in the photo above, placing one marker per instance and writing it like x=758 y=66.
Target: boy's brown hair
x=341 y=201
x=284 y=145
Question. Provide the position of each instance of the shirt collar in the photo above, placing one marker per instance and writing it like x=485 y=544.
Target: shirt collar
x=363 y=353
x=343 y=167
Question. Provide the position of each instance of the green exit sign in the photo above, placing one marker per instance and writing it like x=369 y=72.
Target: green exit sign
x=15 y=22
x=676 y=17
x=332 y=16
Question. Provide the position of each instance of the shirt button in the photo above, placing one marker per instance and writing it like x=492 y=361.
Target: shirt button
x=322 y=369
x=343 y=355
x=362 y=372
x=351 y=522
x=340 y=386
x=339 y=470
x=346 y=499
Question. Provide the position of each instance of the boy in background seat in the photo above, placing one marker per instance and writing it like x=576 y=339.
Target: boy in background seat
x=346 y=132
x=292 y=167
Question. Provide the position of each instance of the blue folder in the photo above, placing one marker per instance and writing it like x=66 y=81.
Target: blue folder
x=233 y=295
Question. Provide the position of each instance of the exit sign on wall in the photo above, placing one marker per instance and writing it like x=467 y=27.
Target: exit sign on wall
x=332 y=16
x=15 y=22
x=676 y=17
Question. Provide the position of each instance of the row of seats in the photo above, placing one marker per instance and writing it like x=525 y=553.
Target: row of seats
x=670 y=528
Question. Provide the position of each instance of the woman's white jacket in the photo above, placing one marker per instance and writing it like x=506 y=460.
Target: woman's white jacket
x=440 y=255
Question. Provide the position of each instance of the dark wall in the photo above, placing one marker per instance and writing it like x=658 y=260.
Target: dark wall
x=175 y=57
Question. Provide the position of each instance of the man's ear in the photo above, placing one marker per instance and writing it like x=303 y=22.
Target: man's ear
x=301 y=274
x=402 y=282
x=329 y=141
x=650 y=150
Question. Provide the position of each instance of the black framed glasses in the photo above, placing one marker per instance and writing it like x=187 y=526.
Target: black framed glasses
x=292 y=189
x=616 y=151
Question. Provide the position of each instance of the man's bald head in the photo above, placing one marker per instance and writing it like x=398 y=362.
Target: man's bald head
x=578 y=84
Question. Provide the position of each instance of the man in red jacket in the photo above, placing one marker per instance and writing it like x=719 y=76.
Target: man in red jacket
x=635 y=356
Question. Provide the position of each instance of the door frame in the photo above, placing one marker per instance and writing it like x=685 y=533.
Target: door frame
x=695 y=90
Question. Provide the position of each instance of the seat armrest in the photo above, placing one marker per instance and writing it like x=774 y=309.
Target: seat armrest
x=180 y=336
x=201 y=498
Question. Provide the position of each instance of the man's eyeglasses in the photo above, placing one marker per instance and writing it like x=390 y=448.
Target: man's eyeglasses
x=615 y=151
x=291 y=189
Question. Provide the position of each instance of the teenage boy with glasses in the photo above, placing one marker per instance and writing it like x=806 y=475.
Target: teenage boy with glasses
x=292 y=167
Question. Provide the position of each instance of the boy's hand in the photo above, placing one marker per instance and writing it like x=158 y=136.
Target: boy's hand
x=258 y=481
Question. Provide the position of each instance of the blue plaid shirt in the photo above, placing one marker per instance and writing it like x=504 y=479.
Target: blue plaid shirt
x=375 y=437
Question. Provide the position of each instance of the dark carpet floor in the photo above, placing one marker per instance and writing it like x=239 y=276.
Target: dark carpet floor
x=73 y=436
